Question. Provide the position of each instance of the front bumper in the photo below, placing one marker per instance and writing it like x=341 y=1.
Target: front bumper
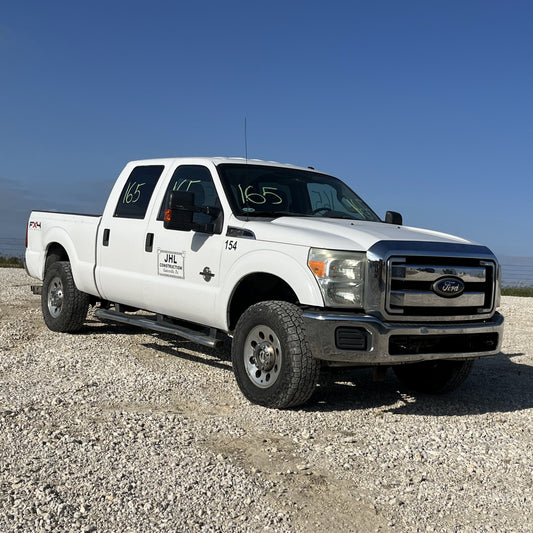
x=366 y=340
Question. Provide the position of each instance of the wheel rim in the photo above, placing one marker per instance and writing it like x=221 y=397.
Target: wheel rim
x=55 y=296
x=262 y=356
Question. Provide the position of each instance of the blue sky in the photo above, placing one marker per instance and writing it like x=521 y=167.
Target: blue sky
x=423 y=107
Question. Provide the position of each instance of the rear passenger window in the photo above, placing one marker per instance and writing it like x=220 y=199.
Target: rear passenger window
x=137 y=191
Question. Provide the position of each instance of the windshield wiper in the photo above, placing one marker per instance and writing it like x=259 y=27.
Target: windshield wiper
x=271 y=214
x=331 y=214
x=345 y=217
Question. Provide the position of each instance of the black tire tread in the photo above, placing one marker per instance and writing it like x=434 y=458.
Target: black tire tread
x=75 y=304
x=300 y=381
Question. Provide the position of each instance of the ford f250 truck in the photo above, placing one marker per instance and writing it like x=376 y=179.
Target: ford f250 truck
x=287 y=262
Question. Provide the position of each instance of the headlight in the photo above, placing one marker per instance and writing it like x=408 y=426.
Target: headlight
x=340 y=275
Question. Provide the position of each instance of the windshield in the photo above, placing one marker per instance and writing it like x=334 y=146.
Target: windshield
x=264 y=191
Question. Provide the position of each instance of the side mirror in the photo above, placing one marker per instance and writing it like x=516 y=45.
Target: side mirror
x=180 y=210
x=391 y=217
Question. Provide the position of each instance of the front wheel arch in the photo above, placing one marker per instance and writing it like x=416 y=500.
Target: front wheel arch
x=255 y=288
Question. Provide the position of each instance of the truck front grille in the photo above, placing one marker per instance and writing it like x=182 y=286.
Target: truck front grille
x=433 y=287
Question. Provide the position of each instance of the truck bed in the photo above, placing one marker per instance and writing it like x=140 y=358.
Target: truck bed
x=76 y=233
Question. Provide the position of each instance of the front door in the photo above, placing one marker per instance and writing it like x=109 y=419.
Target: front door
x=184 y=266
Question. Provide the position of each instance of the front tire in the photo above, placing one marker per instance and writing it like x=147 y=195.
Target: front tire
x=434 y=377
x=271 y=359
x=64 y=307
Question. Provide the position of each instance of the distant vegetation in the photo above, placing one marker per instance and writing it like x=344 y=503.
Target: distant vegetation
x=10 y=262
x=517 y=291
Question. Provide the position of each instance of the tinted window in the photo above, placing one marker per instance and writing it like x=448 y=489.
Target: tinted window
x=196 y=179
x=137 y=191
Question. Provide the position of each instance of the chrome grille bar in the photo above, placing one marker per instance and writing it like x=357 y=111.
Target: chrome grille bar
x=430 y=299
x=432 y=273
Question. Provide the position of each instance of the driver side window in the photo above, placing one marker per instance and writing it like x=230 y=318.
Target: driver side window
x=197 y=180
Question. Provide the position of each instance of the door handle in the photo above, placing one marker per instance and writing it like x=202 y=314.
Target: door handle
x=149 y=242
x=105 y=240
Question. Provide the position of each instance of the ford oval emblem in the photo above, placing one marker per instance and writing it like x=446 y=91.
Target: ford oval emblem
x=448 y=287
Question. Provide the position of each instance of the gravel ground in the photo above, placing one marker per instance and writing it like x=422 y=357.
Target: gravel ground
x=118 y=430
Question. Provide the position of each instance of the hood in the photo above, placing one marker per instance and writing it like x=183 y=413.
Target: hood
x=340 y=234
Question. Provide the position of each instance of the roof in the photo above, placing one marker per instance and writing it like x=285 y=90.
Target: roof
x=215 y=161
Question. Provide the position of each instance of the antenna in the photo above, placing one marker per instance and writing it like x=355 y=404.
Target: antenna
x=245 y=140
x=247 y=171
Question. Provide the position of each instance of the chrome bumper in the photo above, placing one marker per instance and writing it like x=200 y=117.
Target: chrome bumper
x=394 y=343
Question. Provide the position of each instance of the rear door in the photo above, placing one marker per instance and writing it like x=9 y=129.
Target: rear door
x=120 y=270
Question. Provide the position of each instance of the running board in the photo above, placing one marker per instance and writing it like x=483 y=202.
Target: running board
x=164 y=327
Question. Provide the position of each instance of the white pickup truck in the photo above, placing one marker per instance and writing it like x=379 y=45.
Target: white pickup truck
x=286 y=261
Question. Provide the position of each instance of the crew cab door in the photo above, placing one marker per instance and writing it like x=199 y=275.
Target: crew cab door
x=120 y=247
x=183 y=267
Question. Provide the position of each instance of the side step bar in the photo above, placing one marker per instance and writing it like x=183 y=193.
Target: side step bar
x=159 y=325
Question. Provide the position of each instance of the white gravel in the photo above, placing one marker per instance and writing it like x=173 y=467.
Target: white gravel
x=118 y=430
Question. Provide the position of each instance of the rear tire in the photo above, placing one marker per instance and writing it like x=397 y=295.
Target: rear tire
x=434 y=377
x=64 y=307
x=271 y=358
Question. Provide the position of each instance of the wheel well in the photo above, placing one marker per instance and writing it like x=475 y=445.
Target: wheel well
x=55 y=252
x=255 y=288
